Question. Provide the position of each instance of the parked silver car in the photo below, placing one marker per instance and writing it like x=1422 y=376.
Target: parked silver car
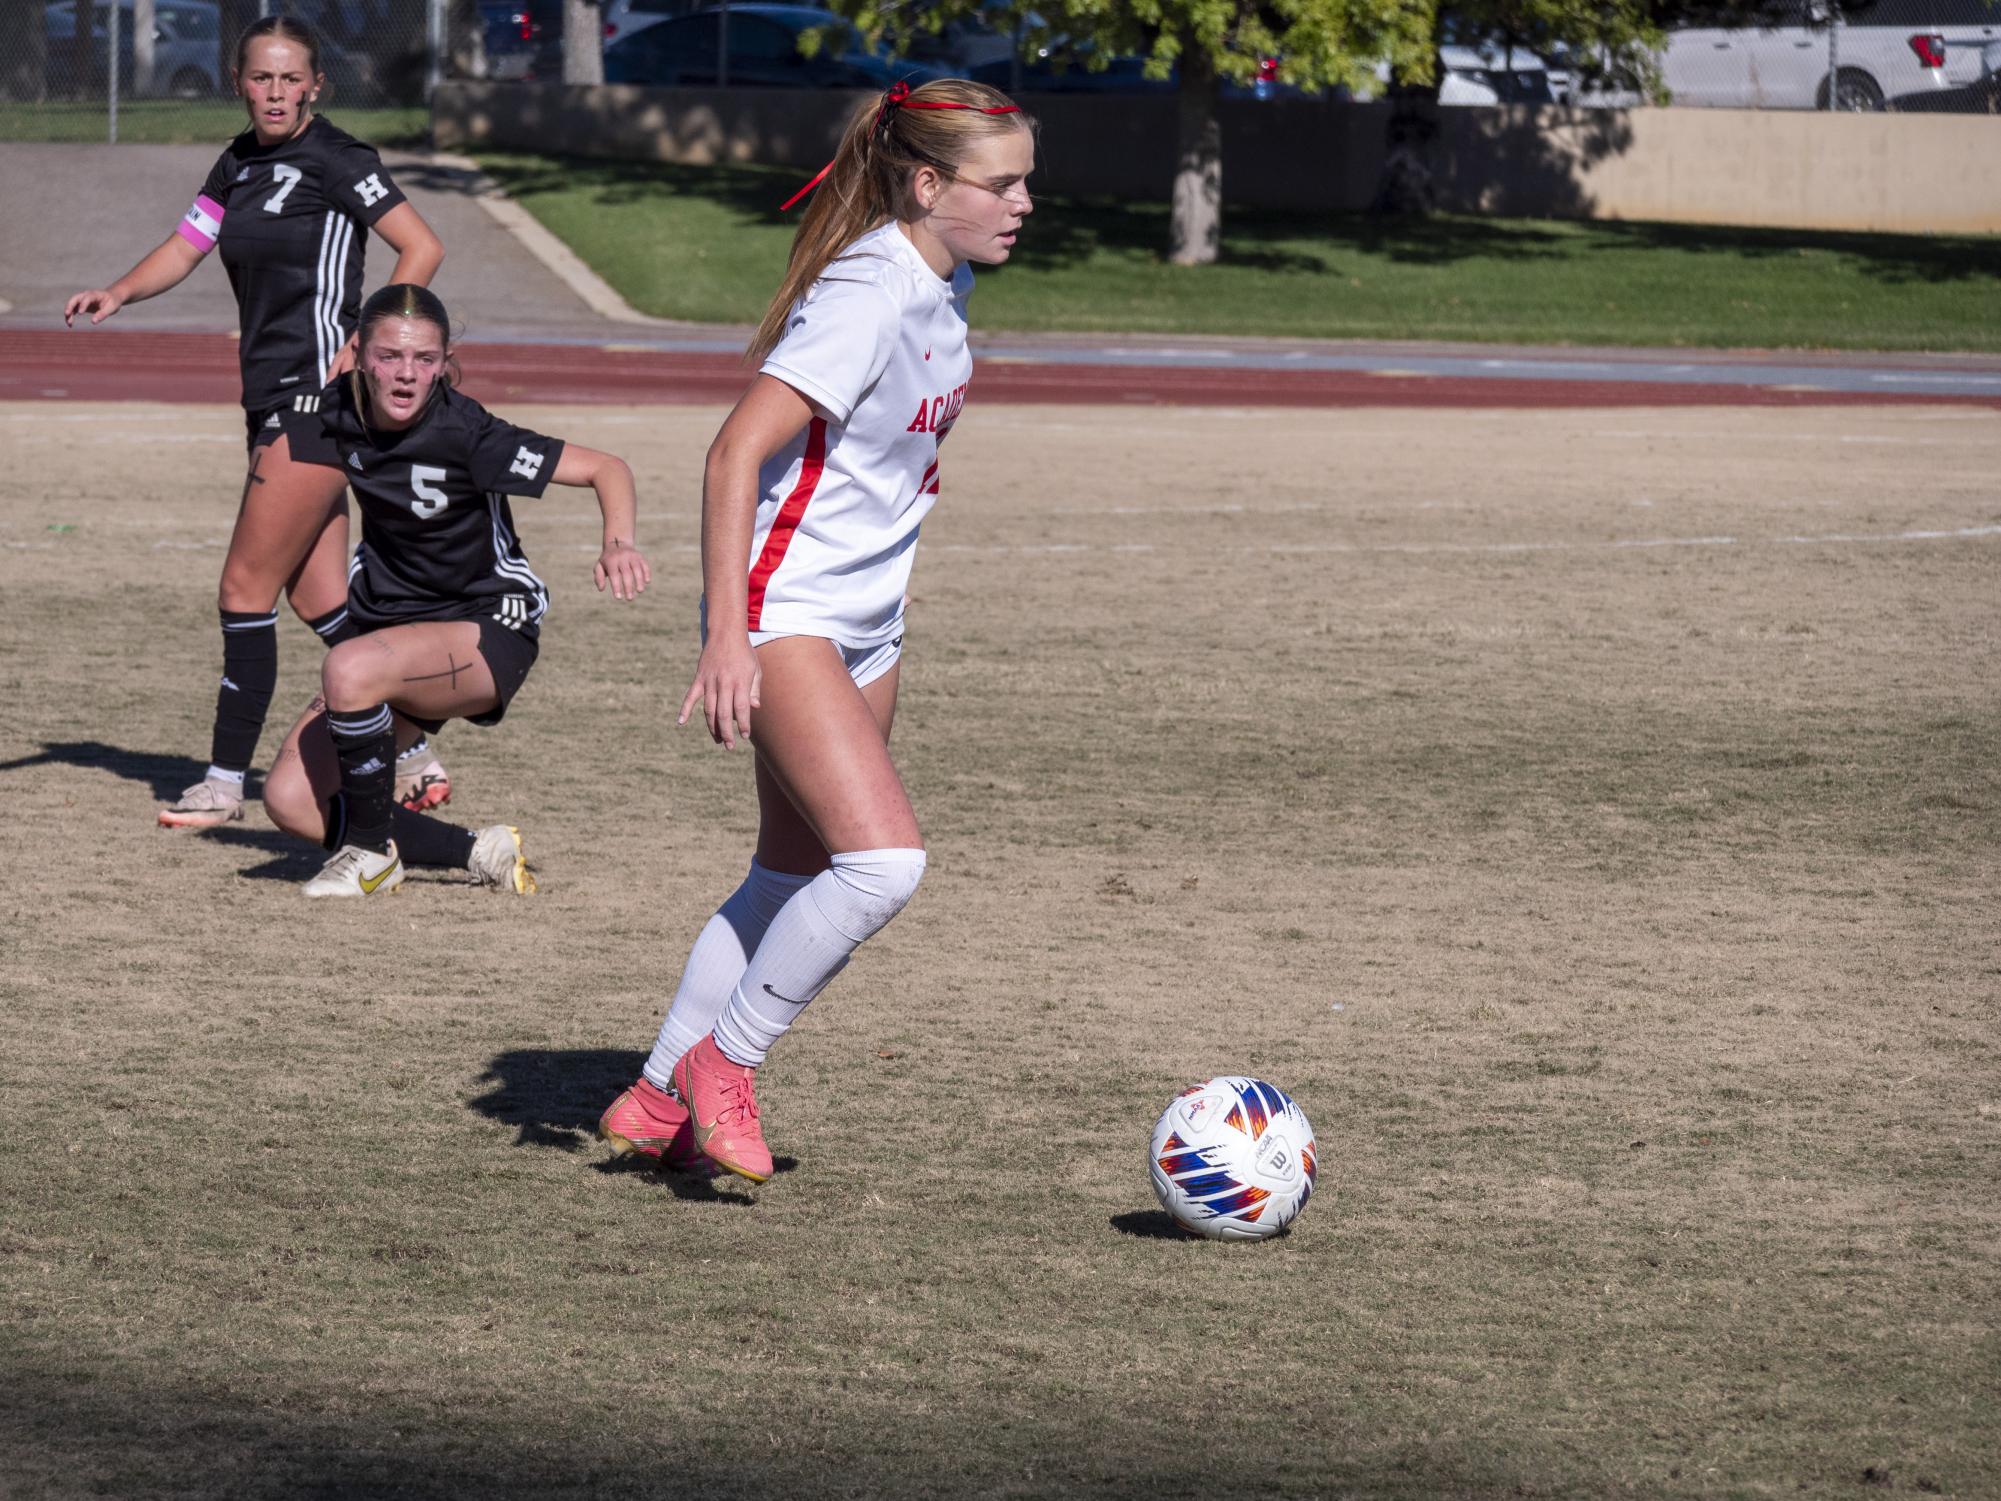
x=187 y=48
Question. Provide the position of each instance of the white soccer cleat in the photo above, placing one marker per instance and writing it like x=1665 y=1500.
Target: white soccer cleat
x=497 y=861
x=206 y=805
x=358 y=872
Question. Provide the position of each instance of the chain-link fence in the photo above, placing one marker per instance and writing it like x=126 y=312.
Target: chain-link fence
x=160 y=69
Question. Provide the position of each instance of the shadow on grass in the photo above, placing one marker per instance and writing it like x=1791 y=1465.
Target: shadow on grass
x=110 y=1423
x=291 y=858
x=1068 y=232
x=1149 y=1224
x=554 y=1096
x=164 y=775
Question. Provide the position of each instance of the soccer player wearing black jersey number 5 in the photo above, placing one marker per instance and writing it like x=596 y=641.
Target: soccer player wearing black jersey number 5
x=290 y=202
x=448 y=610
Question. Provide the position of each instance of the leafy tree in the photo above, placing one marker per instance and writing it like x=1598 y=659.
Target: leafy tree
x=1360 y=44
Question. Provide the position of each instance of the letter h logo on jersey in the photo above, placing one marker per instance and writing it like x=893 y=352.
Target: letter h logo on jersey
x=527 y=463
x=370 y=190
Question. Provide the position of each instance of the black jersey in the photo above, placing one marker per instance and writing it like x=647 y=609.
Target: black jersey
x=293 y=220
x=437 y=536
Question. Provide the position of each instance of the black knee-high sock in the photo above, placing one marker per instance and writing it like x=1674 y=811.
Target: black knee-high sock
x=423 y=840
x=420 y=840
x=365 y=743
x=334 y=627
x=249 y=678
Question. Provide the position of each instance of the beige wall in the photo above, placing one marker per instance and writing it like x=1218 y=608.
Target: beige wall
x=1919 y=173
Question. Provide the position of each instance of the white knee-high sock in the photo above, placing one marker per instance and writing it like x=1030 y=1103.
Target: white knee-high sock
x=809 y=942
x=716 y=963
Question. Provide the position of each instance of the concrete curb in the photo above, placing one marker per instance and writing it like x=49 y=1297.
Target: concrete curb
x=561 y=261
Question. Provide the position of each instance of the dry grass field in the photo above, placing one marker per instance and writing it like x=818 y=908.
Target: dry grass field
x=1594 y=819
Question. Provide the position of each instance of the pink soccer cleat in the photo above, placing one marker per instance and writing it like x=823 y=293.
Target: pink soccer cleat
x=424 y=786
x=722 y=1099
x=648 y=1122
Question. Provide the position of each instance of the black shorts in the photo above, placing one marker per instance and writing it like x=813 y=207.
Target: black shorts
x=299 y=421
x=508 y=654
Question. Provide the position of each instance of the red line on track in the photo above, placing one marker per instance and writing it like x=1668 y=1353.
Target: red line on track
x=182 y=367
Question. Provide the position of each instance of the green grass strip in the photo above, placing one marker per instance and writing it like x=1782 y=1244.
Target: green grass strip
x=180 y=122
x=708 y=244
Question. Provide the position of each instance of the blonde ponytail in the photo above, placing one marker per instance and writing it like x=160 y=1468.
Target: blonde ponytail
x=868 y=182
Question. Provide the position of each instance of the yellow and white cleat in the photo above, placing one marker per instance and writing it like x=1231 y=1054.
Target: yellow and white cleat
x=354 y=871
x=497 y=861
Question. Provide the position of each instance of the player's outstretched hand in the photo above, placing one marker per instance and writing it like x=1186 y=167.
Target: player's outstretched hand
x=97 y=302
x=344 y=361
x=727 y=679
x=623 y=568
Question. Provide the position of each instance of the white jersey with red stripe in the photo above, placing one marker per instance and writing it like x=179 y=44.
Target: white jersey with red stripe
x=878 y=346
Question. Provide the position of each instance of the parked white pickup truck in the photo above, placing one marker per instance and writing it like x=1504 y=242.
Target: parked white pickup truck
x=1894 y=54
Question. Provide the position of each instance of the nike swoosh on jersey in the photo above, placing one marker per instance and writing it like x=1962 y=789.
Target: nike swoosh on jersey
x=289 y=380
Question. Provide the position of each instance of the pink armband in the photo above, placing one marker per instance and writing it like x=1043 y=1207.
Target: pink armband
x=202 y=224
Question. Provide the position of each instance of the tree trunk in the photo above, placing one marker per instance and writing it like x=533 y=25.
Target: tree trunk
x=24 y=61
x=583 y=42
x=465 y=31
x=143 y=27
x=1196 y=224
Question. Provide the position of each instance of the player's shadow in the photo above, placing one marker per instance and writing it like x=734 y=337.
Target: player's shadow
x=166 y=776
x=554 y=1096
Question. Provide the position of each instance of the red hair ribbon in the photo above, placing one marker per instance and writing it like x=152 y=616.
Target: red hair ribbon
x=896 y=97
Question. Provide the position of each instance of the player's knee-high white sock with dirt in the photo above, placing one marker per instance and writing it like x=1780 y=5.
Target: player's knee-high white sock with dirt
x=716 y=963
x=809 y=942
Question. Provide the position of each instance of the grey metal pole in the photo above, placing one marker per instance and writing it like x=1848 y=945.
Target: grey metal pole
x=1833 y=58
x=723 y=45
x=111 y=35
x=434 y=39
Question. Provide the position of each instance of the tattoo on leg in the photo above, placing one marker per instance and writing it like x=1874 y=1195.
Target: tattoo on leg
x=452 y=673
x=253 y=477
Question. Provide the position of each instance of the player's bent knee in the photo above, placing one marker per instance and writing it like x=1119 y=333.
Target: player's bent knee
x=351 y=675
x=868 y=888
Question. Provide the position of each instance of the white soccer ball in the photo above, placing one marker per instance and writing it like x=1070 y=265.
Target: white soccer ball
x=1232 y=1159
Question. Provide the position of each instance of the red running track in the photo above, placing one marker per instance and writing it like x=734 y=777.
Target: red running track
x=86 y=366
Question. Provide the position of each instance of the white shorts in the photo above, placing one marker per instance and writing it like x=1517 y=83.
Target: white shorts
x=864 y=663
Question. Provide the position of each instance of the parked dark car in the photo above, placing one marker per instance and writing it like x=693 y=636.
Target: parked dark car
x=522 y=38
x=764 y=52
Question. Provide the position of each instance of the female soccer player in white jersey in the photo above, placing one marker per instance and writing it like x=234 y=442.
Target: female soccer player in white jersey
x=290 y=202
x=448 y=611
x=812 y=497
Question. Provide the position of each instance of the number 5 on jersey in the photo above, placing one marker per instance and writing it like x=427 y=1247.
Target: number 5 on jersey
x=430 y=499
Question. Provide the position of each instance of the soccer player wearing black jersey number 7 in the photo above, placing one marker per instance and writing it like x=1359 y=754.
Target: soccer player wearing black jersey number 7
x=290 y=202
x=448 y=610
